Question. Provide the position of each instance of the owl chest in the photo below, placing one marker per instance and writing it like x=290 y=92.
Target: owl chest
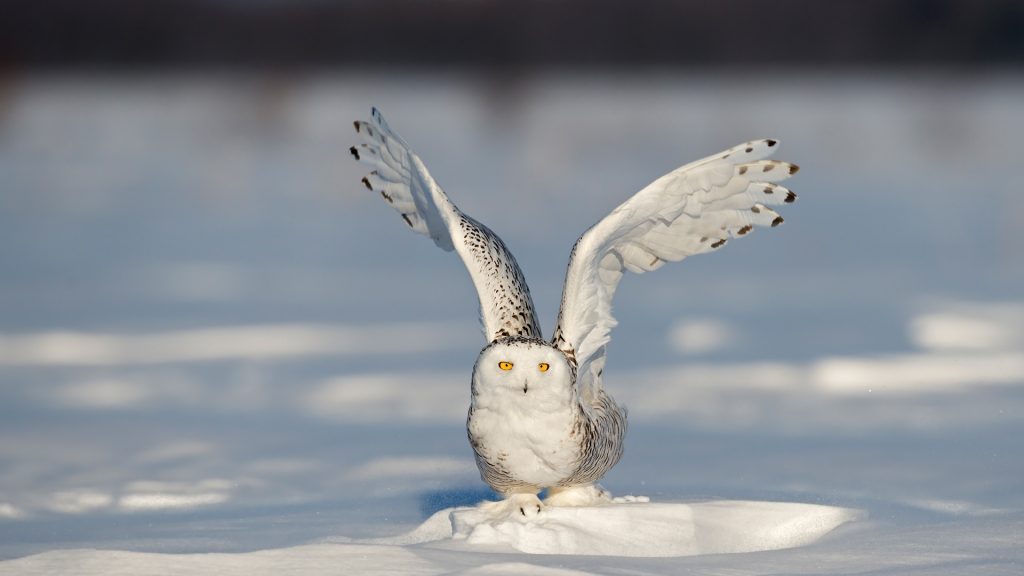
x=533 y=446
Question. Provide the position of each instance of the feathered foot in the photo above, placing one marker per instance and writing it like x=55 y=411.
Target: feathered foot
x=584 y=495
x=518 y=506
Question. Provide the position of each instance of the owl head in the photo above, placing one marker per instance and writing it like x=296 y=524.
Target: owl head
x=523 y=369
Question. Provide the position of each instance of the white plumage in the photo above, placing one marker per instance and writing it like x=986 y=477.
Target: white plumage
x=539 y=417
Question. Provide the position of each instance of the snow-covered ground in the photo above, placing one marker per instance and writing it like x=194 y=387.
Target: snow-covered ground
x=219 y=354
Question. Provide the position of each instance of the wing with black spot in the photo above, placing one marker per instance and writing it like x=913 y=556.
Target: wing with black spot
x=694 y=209
x=403 y=182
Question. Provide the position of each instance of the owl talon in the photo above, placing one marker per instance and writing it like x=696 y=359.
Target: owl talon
x=583 y=495
x=518 y=506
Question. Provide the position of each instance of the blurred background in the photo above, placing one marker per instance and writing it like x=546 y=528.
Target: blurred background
x=212 y=337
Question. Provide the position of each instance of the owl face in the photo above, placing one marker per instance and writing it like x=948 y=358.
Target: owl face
x=522 y=370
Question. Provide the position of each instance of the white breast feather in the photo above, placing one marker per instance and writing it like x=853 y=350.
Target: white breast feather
x=532 y=440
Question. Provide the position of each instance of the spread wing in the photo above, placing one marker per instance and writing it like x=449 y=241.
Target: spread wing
x=694 y=209
x=401 y=179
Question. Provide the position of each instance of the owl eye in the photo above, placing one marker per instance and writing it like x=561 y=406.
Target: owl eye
x=543 y=366
x=505 y=365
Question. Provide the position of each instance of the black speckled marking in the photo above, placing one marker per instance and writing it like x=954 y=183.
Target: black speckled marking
x=504 y=284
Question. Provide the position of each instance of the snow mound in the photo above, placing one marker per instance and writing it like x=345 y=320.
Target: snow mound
x=620 y=528
x=634 y=528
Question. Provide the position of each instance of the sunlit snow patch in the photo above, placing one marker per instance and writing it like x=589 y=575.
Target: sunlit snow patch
x=221 y=343
x=152 y=495
x=635 y=529
x=701 y=336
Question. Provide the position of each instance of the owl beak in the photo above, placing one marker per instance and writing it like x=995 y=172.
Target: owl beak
x=526 y=386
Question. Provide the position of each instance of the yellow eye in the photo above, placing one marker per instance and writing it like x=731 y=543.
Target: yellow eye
x=505 y=365
x=543 y=366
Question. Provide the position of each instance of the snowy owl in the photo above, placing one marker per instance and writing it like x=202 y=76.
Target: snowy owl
x=539 y=417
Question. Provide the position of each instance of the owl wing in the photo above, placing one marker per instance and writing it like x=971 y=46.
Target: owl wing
x=694 y=209
x=401 y=179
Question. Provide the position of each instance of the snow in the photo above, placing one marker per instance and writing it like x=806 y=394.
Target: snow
x=219 y=343
x=313 y=559
x=651 y=529
x=218 y=355
x=627 y=529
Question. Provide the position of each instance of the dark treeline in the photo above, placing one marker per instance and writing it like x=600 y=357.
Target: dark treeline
x=523 y=33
